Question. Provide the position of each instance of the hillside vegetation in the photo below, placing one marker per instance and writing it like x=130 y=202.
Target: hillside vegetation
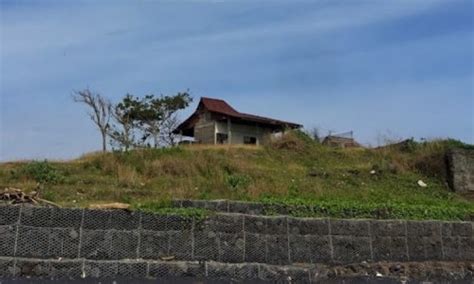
x=295 y=170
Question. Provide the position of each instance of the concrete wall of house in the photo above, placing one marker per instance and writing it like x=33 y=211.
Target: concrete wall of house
x=239 y=131
x=204 y=130
x=461 y=170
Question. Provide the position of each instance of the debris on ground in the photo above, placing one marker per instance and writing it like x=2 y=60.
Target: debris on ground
x=114 y=205
x=167 y=258
x=421 y=183
x=11 y=195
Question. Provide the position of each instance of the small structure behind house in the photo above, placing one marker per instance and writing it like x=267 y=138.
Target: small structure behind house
x=216 y=122
x=342 y=140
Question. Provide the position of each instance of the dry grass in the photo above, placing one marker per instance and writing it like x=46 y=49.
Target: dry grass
x=285 y=168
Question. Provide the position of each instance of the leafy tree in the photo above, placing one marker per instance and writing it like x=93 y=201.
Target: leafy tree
x=122 y=133
x=156 y=116
x=101 y=110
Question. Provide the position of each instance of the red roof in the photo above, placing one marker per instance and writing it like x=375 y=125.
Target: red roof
x=219 y=106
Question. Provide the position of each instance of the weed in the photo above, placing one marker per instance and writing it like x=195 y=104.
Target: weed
x=41 y=172
x=236 y=181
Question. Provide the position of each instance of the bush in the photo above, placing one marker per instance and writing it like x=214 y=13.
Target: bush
x=235 y=181
x=42 y=172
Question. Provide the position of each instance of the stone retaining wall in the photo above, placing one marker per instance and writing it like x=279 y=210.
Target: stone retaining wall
x=116 y=235
x=461 y=170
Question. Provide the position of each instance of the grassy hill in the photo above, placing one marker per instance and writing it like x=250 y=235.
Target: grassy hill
x=318 y=180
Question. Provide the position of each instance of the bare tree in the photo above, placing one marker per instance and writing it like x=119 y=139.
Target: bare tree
x=167 y=127
x=100 y=111
x=316 y=134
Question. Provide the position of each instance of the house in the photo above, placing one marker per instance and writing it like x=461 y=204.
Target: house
x=216 y=122
x=345 y=140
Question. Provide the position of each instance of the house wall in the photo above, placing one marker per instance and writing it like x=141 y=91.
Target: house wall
x=238 y=131
x=204 y=130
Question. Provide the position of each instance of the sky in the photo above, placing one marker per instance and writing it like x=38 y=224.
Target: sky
x=384 y=69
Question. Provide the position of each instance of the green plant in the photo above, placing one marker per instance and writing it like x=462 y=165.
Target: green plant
x=235 y=181
x=42 y=172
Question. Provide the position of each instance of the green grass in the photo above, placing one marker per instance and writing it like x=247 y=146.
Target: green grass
x=318 y=180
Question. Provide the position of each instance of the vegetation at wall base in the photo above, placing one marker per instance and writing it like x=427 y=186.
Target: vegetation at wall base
x=314 y=179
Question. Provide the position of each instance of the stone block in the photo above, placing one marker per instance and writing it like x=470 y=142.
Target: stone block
x=466 y=248
x=100 y=269
x=457 y=229
x=155 y=222
x=181 y=244
x=433 y=248
x=461 y=170
x=124 y=220
x=7 y=268
x=308 y=226
x=452 y=248
x=7 y=240
x=255 y=224
x=199 y=204
x=416 y=248
x=351 y=249
x=357 y=228
x=238 y=207
x=96 y=219
x=186 y=203
x=220 y=205
x=297 y=274
x=309 y=249
x=9 y=215
x=273 y=274
x=277 y=249
x=132 y=269
x=63 y=243
x=255 y=248
x=246 y=272
x=224 y=223
x=71 y=269
x=177 y=203
x=389 y=248
x=277 y=226
x=388 y=228
x=124 y=244
x=33 y=242
x=96 y=244
x=252 y=208
x=66 y=217
x=231 y=247
x=36 y=216
x=178 y=223
x=213 y=205
x=32 y=268
x=153 y=244
x=174 y=269
x=224 y=271
x=423 y=228
x=206 y=245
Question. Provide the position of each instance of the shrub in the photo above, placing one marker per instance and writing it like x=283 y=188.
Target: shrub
x=42 y=172
x=235 y=181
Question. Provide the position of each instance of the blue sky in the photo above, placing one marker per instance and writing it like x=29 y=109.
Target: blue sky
x=401 y=68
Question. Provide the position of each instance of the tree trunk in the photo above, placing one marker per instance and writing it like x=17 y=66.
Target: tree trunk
x=104 y=142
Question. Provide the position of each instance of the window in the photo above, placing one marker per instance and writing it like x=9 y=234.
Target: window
x=250 y=140
x=221 y=138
